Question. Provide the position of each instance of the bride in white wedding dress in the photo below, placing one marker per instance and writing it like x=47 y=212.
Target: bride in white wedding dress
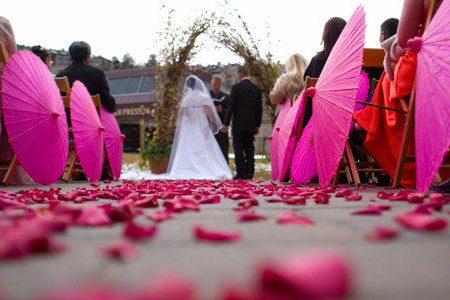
x=195 y=152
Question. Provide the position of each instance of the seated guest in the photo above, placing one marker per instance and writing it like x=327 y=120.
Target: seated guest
x=387 y=30
x=6 y=151
x=43 y=54
x=385 y=127
x=331 y=32
x=289 y=85
x=93 y=78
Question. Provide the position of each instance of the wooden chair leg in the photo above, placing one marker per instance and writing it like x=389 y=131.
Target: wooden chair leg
x=11 y=171
x=352 y=164
x=70 y=166
x=406 y=138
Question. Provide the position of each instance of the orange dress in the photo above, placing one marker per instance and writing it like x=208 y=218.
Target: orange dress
x=385 y=127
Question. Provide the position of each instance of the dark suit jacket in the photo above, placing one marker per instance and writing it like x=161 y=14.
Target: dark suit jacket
x=216 y=96
x=244 y=107
x=95 y=81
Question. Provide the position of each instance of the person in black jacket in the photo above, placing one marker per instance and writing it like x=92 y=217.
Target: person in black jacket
x=245 y=108
x=331 y=32
x=221 y=103
x=93 y=78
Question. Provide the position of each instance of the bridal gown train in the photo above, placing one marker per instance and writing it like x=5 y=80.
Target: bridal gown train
x=195 y=152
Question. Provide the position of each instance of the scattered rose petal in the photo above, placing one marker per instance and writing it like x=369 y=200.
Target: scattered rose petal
x=343 y=193
x=212 y=199
x=319 y=275
x=136 y=231
x=160 y=216
x=440 y=198
x=354 y=197
x=321 y=198
x=291 y=217
x=250 y=215
x=380 y=206
x=381 y=233
x=419 y=221
x=368 y=211
x=215 y=235
x=416 y=197
x=120 y=250
x=93 y=216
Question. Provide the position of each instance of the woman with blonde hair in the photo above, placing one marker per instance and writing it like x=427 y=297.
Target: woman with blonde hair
x=290 y=84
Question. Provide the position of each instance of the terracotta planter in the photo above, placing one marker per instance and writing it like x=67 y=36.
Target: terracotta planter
x=158 y=163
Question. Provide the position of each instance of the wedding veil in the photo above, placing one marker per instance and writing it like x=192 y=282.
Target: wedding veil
x=196 y=112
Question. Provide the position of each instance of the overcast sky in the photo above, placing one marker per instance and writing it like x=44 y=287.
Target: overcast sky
x=116 y=27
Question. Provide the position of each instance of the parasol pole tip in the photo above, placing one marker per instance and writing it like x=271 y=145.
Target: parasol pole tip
x=311 y=92
x=55 y=114
x=101 y=128
x=122 y=137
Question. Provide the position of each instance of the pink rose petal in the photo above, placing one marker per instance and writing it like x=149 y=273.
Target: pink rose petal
x=343 y=193
x=215 y=235
x=170 y=287
x=381 y=233
x=321 y=198
x=354 y=197
x=368 y=211
x=120 y=250
x=319 y=275
x=93 y=216
x=291 y=217
x=249 y=215
x=380 y=206
x=160 y=216
x=416 y=197
x=212 y=199
x=419 y=221
x=148 y=202
x=440 y=198
x=136 y=231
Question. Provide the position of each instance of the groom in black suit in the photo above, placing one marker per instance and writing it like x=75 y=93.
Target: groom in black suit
x=245 y=108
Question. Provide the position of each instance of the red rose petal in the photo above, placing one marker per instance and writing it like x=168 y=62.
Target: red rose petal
x=343 y=193
x=354 y=197
x=120 y=250
x=212 y=199
x=170 y=287
x=291 y=217
x=93 y=216
x=160 y=216
x=136 y=231
x=416 y=197
x=368 y=211
x=321 y=198
x=419 y=221
x=214 y=235
x=249 y=215
x=319 y=275
x=380 y=206
x=381 y=233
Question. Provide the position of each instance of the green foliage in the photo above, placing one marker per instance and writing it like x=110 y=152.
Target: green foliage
x=151 y=148
x=152 y=61
x=128 y=62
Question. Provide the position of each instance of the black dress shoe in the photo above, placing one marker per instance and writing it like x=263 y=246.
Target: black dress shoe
x=237 y=177
x=442 y=187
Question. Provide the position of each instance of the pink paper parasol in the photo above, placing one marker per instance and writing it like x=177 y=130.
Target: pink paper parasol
x=87 y=131
x=334 y=97
x=287 y=136
x=432 y=107
x=34 y=117
x=274 y=140
x=304 y=166
x=113 y=141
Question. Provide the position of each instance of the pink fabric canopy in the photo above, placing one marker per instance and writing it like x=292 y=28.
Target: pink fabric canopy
x=35 y=118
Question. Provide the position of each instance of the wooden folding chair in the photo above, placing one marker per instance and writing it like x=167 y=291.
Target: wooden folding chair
x=409 y=125
x=9 y=167
x=73 y=165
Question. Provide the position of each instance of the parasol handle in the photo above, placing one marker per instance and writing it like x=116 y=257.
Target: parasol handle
x=311 y=91
x=122 y=137
x=415 y=44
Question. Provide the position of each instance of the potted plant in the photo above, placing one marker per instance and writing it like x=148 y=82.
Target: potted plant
x=157 y=157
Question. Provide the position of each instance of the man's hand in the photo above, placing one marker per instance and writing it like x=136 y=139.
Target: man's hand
x=257 y=131
x=219 y=108
x=224 y=128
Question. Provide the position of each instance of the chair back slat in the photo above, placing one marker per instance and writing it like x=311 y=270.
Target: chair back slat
x=373 y=57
